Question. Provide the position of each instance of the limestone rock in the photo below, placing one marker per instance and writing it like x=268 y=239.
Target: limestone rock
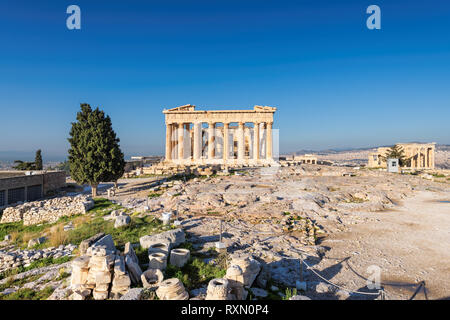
x=322 y=287
x=133 y=294
x=81 y=294
x=81 y=261
x=259 y=293
x=49 y=210
x=179 y=257
x=235 y=277
x=129 y=251
x=174 y=237
x=100 y=295
x=105 y=242
x=122 y=221
x=342 y=295
x=152 y=278
x=172 y=289
x=299 y=297
x=159 y=247
x=101 y=263
x=36 y=241
x=119 y=265
x=217 y=289
x=134 y=269
x=157 y=260
x=85 y=244
x=250 y=269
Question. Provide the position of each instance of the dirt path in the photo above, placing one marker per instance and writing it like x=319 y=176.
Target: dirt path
x=410 y=244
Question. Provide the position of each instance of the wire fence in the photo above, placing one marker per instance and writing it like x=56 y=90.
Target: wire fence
x=381 y=294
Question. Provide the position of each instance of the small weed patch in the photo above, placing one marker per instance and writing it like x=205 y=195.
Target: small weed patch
x=195 y=273
x=28 y=294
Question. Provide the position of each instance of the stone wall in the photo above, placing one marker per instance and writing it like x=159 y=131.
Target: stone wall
x=54 y=180
x=47 y=210
x=20 y=181
x=26 y=185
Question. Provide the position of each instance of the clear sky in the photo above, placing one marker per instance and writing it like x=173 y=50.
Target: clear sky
x=335 y=83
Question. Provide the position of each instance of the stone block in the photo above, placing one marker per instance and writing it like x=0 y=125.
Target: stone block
x=129 y=251
x=152 y=278
x=85 y=244
x=179 y=257
x=122 y=221
x=157 y=260
x=172 y=289
x=100 y=295
x=106 y=241
x=174 y=237
x=133 y=294
x=159 y=247
x=102 y=277
x=217 y=289
x=134 y=270
x=81 y=262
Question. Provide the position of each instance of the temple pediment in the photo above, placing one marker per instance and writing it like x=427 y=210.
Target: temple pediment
x=264 y=108
x=186 y=107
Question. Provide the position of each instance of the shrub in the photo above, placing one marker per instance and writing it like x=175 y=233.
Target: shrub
x=28 y=294
x=290 y=293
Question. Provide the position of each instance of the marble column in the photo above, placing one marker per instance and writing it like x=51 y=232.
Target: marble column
x=211 y=140
x=225 y=142
x=262 y=144
x=187 y=141
x=432 y=158
x=418 y=159
x=269 y=141
x=256 y=141
x=197 y=141
x=241 y=142
x=168 y=141
x=180 y=141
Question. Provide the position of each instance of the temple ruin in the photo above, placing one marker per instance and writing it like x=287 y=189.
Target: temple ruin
x=196 y=137
x=417 y=155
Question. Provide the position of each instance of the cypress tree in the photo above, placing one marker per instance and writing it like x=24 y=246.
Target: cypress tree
x=95 y=154
x=38 y=160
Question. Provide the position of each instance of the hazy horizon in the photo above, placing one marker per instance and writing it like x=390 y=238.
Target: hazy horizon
x=10 y=156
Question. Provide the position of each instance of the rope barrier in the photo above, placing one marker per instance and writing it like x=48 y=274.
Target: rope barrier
x=337 y=286
x=380 y=293
x=421 y=284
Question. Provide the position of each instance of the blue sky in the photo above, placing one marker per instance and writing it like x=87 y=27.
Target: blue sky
x=335 y=83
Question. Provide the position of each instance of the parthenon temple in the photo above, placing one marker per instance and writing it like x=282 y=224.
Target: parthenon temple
x=417 y=156
x=195 y=137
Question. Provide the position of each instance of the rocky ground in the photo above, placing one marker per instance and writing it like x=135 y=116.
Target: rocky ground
x=339 y=221
x=342 y=220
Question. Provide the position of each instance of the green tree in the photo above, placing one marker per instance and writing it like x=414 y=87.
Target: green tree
x=38 y=160
x=94 y=155
x=22 y=165
x=396 y=152
x=63 y=166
